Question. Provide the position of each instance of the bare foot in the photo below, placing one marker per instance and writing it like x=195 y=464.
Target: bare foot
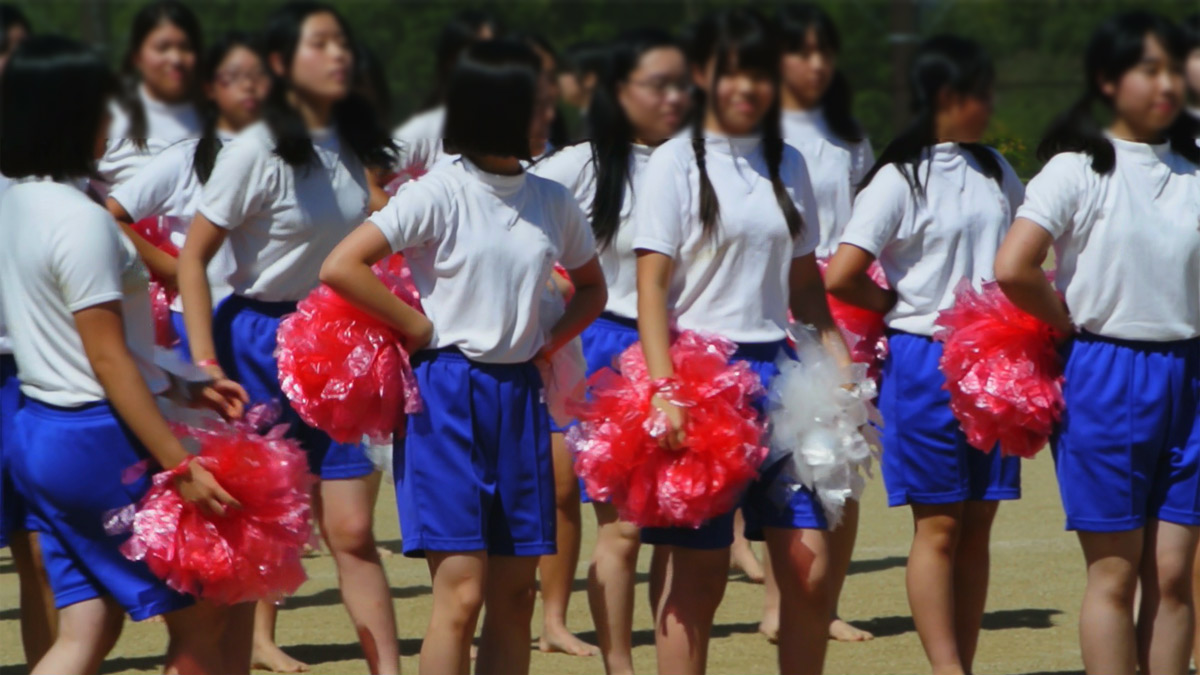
x=384 y=553
x=561 y=640
x=843 y=632
x=743 y=559
x=270 y=657
x=769 y=627
x=474 y=652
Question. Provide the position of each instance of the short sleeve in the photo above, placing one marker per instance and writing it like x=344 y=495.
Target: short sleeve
x=147 y=192
x=86 y=264
x=879 y=210
x=413 y=217
x=568 y=167
x=809 y=237
x=239 y=185
x=660 y=217
x=578 y=242
x=862 y=158
x=1053 y=196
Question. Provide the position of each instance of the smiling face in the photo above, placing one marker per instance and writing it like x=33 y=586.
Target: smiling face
x=166 y=61
x=322 y=66
x=1149 y=96
x=739 y=98
x=656 y=95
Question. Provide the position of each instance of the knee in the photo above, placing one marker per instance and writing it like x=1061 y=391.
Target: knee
x=518 y=598
x=1115 y=584
x=941 y=538
x=465 y=602
x=350 y=534
x=1175 y=580
x=618 y=546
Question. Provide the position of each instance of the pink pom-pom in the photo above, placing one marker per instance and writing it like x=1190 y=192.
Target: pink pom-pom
x=344 y=371
x=862 y=329
x=155 y=230
x=401 y=177
x=616 y=441
x=1002 y=369
x=250 y=553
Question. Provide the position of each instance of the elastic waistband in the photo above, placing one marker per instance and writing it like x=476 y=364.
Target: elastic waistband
x=1140 y=345
x=453 y=353
x=617 y=319
x=760 y=351
x=91 y=410
x=237 y=303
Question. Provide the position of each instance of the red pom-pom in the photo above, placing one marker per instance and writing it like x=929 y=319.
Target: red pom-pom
x=862 y=329
x=1002 y=369
x=616 y=448
x=344 y=371
x=250 y=553
x=393 y=182
x=156 y=230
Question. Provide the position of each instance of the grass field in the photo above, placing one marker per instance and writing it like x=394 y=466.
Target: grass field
x=1037 y=581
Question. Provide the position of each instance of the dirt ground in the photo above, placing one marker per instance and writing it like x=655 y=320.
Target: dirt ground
x=1037 y=581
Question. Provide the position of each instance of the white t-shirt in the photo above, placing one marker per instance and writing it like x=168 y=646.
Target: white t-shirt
x=168 y=187
x=481 y=248
x=5 y=343
x=1127 y=243
x=736 y=283
x=573 y=167
x=927 y=246
x=61 y=253
x=283 y=221
x=166 y=124
x=835 y=166
x=420 y=139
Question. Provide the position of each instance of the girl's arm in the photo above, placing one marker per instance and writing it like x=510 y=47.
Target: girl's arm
x=809 y=306
x=347 y=271
x=375 y=184
x=1019 y=272
x=591 y=295
x=161 y=263
x=847 y=279
x=103 y=335
x=654 y=330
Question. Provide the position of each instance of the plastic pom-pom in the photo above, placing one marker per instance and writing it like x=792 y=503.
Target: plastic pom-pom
x=249 y=553
x=345 y=372
x=1002 y=369
x=821 y=424
x=564 y=375
x=156 y=230
x=401 y=177
x=616 y=447
x=862 y=329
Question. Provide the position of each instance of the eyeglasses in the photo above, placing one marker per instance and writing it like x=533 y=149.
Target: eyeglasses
x=228 y=78
x=662 y=87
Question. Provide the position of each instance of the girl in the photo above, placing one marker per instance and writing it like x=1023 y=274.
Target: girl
x=76 y=302
x=159 y=104
x=14 y=28
x=284 y=193
x=639 y=102
x=420 y=138
x=170 y=185
x=933 y=211
x=1120 y=205
x=474 y=477
x=725 y=246
x=817 y=120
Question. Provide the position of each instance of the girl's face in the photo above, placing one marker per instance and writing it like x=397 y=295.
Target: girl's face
x=808 y=71
x=1192 y=74
x=741 y=97
x=166 y=61
x=656 y=95
x=16 y=35
x=1148 y=97
x=239 y=88
x=963 y=118
x=322 y=66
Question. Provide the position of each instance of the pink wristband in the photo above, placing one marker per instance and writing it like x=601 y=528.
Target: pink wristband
x=205 y=363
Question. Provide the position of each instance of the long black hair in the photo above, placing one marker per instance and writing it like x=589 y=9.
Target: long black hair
x=53 y=98
x=354 y=118
x=837 y=103
x=1116 y=47
x=753 y=44
x=610 y=130
x=459 y=33
x=11 y=16
x=943 y=62
x=208 y=147
x=145 y=21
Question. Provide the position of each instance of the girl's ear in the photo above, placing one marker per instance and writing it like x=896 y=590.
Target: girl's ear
x=1107 y=87
x=275 y=61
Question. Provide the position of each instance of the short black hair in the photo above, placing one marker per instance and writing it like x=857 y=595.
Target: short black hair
x=489 y=99
x=53 y=97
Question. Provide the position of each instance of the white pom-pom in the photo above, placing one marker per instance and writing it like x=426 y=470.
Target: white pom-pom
x=821 y=415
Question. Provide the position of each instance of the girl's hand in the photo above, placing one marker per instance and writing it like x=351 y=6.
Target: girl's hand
x=199 y=487
x=418 y=340
x=223 y=396
x=676 y=437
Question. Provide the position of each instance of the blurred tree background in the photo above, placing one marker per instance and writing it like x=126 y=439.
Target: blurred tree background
x=1037 y=44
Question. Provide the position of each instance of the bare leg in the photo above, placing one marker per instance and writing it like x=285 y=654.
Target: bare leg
x=237 y=639
x=610 y=588
x=660 y=576
x=87 y=632
x=769 y=626
x=972 y=563
x=800 y=559
x=930 y=580
x=558 y=571
x=692 y=591
x=1106 y=629
x=1166 y=622
x=344 y=511
x=39 y=618
x=742 y=554
x=504 y=642
x=458 y=582
x=266 y=654
x=841 y=551
x=195 y=634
